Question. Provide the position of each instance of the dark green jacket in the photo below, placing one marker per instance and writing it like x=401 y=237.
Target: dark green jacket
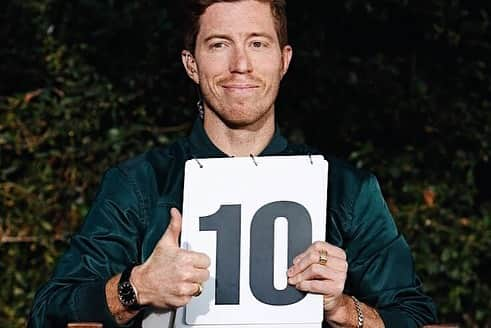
x=131 y=212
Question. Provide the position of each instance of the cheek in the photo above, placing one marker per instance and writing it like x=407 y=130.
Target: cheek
x=213 y=65
x=211 y=74
x=209 y=85
x=265 y=68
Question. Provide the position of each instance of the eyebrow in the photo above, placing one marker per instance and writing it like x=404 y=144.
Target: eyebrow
x=227 y=37
x=217 y=36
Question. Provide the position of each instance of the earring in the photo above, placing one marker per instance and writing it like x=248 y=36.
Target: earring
x=201 y=109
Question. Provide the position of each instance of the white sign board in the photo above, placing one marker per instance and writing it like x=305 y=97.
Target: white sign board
x=252 y=216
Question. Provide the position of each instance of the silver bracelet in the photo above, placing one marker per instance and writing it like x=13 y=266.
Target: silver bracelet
x=359 y=312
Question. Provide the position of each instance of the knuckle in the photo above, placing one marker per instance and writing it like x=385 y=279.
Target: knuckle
x=186 y=275
x=340 y=253
x=318 y=245
x=296 y=279
x=181 y=290
x=185 y=259
x=208 y=261
x=304 y=285
x=179 y=260
x=318 y=285
x=316 y=269
x=180 y=275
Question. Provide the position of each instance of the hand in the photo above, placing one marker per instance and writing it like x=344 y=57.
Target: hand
x=308 y=275
x=171 y=275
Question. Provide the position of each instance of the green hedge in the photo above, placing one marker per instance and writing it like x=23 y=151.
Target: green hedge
x=406 y=89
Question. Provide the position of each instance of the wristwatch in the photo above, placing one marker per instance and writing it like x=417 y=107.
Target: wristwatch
x=126 y=292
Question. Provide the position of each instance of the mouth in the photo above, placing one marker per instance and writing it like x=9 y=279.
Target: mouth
x=240 y=88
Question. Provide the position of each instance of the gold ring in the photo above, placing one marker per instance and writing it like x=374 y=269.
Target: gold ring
x=323 y=257
x=198 y=291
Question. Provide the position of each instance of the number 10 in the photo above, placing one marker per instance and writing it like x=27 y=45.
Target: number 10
x=226 y=222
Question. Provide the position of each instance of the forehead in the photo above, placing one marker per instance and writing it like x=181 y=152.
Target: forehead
x=237 y=18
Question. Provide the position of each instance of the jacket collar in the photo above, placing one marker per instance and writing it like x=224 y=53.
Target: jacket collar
x=202 y=146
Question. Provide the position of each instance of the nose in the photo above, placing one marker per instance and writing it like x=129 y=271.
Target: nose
x=240 y=61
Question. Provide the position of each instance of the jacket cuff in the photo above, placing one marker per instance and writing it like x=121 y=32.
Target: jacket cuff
x=394 y=319
x=91 y=305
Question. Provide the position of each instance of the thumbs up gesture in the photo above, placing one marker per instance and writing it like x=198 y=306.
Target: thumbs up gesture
x=171 y=275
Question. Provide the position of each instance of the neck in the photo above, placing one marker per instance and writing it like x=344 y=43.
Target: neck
x=240 y=140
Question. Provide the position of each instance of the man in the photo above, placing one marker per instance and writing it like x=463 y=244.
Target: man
x=237 y=53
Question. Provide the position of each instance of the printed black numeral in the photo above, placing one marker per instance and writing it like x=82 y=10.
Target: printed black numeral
x=226 y=222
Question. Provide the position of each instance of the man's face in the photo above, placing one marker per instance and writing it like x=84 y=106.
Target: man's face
x=238 y=62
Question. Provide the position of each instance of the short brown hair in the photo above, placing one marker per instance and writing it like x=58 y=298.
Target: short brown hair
x=196 y=8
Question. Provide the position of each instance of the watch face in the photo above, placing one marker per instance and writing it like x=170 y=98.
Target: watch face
x=126 y=294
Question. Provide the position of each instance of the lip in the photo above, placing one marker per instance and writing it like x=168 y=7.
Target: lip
x=240 y=86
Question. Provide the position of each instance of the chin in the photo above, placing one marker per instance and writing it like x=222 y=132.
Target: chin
x=240 y=114
x=240 y=119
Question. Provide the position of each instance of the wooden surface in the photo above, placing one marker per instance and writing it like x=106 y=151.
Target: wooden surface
x=99 y=325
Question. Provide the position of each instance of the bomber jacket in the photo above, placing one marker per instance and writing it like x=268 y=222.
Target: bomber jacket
x=131 y=212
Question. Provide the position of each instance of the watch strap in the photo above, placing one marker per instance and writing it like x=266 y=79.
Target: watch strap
x=127 y=293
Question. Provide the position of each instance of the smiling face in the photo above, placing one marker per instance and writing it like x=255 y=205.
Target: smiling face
x=238 y=62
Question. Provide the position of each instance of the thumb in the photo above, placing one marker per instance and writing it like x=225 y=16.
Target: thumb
x=171 y=235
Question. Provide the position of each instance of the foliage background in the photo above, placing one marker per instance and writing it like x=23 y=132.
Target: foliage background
x=399 y=87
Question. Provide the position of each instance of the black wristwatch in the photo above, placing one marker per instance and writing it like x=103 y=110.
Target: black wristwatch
x=126 y=291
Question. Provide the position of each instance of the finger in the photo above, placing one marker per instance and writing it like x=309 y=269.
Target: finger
x=185 y=289
x=202 y=275
x=328 y=288
x=334 y=263
x=171 y=235
x=337 y=264
x=316 y=246
x=336 y=258
x=312 y=259
x=315 y=286
x=318 y=272
x=299 y=257
x=331 y=250
x=315 y=271
x=195 y=275
x=198 y=259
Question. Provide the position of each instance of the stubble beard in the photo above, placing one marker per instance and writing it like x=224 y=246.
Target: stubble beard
x=244 y=112
x=248 y=114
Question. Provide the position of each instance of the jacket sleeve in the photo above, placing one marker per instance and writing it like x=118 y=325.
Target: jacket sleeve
x=381 y=268
x=106 y=243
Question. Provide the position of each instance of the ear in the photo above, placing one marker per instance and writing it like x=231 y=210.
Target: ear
x=286 y=57
x=190 y=65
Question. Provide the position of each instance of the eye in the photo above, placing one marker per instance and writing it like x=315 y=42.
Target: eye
x=257 y=44
x=217 y=45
